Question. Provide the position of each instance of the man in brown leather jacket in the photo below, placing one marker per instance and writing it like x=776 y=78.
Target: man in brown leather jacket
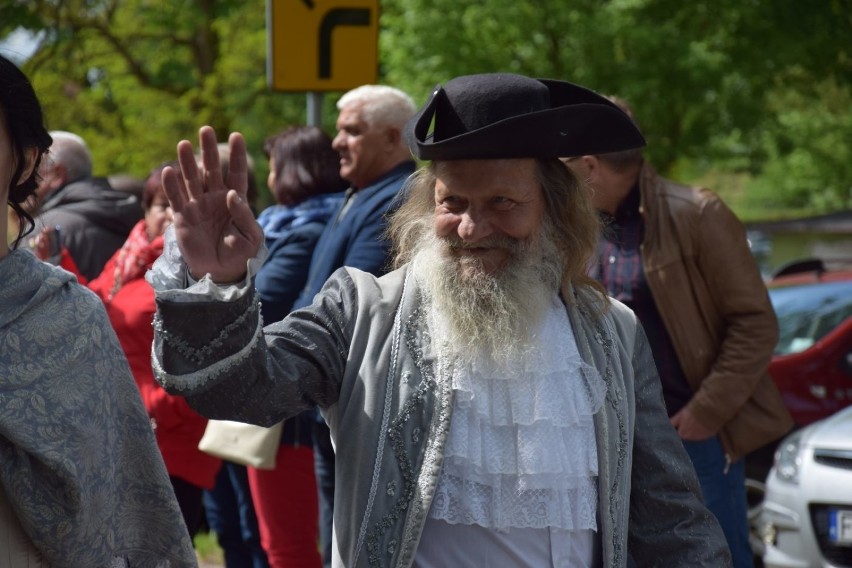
x=680 y=259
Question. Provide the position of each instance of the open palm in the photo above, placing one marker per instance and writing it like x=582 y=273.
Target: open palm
x=214 y=225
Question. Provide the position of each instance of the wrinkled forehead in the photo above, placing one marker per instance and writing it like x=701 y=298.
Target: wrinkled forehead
x=512 y=179
x=496 y=173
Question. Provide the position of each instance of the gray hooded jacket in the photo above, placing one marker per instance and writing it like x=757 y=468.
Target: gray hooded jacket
x=94 y=220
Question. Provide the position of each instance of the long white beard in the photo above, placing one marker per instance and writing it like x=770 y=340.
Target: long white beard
x=477 y=314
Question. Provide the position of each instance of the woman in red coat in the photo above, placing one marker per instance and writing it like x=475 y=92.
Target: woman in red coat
x=129 y=301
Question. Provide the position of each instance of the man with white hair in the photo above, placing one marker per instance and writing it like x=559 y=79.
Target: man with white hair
x=490 y=406
x=93 y=218
x=376 y=161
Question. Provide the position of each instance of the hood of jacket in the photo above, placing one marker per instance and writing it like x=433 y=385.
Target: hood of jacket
x=94 y=198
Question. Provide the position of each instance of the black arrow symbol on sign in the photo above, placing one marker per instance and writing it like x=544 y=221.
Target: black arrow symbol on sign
x=309 y=4
x=332 y=19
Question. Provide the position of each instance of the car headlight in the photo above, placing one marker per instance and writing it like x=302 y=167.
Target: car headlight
x=788 y=458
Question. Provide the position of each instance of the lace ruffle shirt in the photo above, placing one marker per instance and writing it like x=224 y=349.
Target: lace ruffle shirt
x=521 y=450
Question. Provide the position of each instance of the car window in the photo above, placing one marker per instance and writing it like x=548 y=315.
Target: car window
x=806 y=313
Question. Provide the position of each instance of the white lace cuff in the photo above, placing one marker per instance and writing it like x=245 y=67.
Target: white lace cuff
x=171 y=280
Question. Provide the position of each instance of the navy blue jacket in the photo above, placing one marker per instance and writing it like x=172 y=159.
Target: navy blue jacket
x=354 y=236
x=282 y=276
x=291 y=234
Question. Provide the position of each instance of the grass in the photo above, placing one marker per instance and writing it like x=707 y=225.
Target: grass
x=207 y=548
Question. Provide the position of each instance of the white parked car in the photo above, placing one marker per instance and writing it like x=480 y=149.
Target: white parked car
x=806 y=516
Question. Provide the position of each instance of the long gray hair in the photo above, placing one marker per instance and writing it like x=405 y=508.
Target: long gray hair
x=568 y=204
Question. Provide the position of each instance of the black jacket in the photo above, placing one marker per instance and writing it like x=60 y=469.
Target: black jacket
x=93 y=219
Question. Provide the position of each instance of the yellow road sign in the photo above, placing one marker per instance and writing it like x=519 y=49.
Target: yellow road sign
x=321 y=45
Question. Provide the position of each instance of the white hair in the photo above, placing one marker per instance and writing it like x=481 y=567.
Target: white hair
x=73 y=153
x=478 y=313
x=380 y=105
x=225 y=156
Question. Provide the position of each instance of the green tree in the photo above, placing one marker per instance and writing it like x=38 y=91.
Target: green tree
x=705 y=78
x=757 y=90
x=135 y=76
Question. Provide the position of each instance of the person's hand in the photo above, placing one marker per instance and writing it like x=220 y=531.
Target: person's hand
x=214 y=225
x=688 y=427
x=45 y=245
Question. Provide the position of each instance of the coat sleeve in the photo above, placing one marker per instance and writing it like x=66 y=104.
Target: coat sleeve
x=217 y=355
x=669 y=524
x=750 y=329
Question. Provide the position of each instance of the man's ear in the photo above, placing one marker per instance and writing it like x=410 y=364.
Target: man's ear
x=58 y=177
x=393 y=136
x=30 y=156
x=592 y=167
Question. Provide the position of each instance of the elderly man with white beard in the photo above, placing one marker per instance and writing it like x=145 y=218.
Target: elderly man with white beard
x=489 y=405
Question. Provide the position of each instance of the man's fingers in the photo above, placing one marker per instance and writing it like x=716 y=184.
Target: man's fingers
x=238 y=165
x=210 y=158
x=174 y=189
x=243 y=217
x=189 y=170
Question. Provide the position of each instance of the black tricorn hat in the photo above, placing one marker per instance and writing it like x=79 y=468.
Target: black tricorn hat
x=502 y=115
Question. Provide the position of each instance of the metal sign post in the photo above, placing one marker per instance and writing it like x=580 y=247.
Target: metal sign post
x=315 y=109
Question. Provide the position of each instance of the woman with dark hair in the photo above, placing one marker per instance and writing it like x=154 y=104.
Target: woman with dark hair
x=305 y=181
x=304 y=178
x=81 y=480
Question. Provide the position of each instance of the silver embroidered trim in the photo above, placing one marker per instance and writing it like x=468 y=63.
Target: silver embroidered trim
x=432 y=458
x=603 y=336
x=407 y=500
x=386 y=413
x=189 y=382
x=199 y=355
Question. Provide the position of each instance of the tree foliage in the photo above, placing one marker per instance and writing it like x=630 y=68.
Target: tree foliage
x=135 y=76
x=759 y=88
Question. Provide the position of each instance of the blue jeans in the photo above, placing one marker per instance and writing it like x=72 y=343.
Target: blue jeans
x=324 y=468
x=724 y=494
x=230 y=514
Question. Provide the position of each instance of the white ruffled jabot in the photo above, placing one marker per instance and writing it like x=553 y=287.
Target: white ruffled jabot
x=521 y=449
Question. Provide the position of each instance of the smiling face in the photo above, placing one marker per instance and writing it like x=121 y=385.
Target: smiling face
x=490 y=268
x=485 y=208
x=491 y=243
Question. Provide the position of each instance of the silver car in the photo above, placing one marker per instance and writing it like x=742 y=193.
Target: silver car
x=806 y=516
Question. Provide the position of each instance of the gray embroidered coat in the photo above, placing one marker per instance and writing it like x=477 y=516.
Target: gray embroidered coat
x=362 y=352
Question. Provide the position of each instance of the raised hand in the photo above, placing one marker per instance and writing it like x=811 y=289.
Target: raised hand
x=214 y=225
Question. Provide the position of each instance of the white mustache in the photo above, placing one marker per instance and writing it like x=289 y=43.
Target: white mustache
x=507 y=243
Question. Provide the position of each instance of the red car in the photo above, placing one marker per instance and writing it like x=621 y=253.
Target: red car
x=812 y=365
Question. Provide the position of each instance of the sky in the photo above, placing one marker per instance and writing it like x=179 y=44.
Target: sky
x=19 y=45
